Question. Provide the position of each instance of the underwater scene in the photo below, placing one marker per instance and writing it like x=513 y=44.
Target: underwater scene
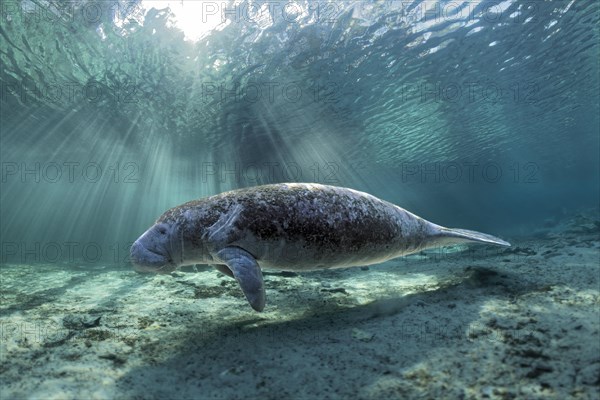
x=244 y=199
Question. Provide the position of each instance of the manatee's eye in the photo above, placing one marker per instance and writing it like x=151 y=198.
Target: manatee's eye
x=162 y=230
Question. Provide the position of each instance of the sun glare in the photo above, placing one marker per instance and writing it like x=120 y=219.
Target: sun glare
x=195 y=18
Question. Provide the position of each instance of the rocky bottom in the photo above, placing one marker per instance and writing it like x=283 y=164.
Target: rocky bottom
x=476 y=322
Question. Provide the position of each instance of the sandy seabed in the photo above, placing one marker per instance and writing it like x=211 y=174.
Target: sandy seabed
x=476 y=322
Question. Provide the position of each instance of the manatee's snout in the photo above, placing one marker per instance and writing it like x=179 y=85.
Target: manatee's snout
x=152 y=251
x=146 y=260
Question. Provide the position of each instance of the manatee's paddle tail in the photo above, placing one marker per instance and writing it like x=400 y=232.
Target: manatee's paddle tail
x=449 y=236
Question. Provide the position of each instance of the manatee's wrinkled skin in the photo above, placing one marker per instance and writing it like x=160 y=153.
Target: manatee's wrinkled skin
x=289 y=226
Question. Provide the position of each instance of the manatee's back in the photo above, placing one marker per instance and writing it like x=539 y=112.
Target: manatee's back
x=310 y=226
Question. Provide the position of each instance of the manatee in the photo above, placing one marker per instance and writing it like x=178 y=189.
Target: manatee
x=291 y=227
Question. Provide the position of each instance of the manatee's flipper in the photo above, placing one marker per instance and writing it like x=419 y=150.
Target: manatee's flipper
x=450 y=236
x=247 y=273
x=223 y=269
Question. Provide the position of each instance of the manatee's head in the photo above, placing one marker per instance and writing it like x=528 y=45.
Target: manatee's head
x=158 y=250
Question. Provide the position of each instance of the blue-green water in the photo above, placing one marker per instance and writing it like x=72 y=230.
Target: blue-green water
x=472 y=114
x=482 y=115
